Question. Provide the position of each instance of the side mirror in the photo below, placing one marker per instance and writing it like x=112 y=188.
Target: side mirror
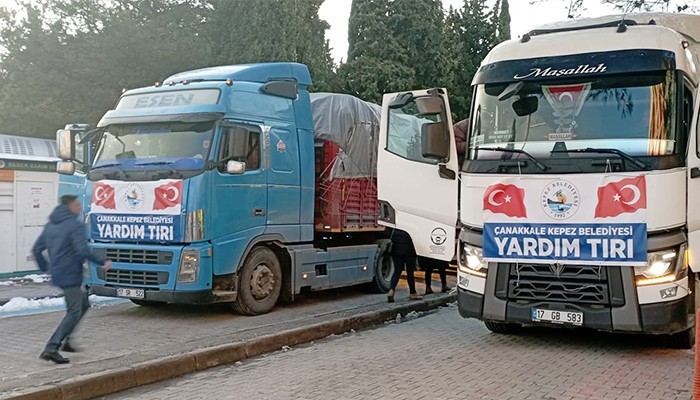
x=525 y=106
x=65 y=167
x=435 y=140
x=66 y=144
x=430 y=105
x=234 y=167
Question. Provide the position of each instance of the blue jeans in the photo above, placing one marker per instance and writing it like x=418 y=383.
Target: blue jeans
x=77 y=304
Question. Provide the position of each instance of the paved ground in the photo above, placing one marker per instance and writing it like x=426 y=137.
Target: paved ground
x=125 y=334
x=442 y=356
x=26 y=288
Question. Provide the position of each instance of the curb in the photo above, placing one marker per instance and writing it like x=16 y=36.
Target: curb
x=116 y=380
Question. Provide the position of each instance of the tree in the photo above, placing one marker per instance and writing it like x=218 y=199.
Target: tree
x=475 y=29
x=243 y=31
x=504 y=22
x=416 y=25
x=377 y=62
x=67 y=61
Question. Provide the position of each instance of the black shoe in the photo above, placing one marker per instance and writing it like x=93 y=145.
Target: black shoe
x=69 y=349
x=53 y=356
x=446 y=289
x=428 y=291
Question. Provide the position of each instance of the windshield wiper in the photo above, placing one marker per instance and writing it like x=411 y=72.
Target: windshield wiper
x=107 y=166
x=619 y=153
x=517 y=151
x=111 y=174
x=155 y=163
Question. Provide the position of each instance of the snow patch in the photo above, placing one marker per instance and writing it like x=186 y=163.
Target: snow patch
x=36 y=278
x=6 y=283
x=22 y=306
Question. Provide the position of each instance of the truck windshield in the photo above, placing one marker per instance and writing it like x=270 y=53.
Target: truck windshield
x=177 y=144
x=632 y=113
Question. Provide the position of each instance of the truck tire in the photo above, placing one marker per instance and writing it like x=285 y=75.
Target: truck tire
x=502 y=327
x=260 y=283
x=383 y=269
x=681 y=340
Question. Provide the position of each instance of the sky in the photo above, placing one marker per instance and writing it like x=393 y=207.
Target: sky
x=524 y=16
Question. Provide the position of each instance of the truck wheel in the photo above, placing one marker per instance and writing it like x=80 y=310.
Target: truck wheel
x=681 y=340
x=383 y=269
x=260 y=283
x=502 y=327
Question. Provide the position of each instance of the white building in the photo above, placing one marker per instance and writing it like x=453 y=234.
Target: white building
x=28 y=192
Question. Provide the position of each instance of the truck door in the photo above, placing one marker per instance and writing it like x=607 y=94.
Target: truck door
x=417 y=170
x=239 y=200
x=693 y=216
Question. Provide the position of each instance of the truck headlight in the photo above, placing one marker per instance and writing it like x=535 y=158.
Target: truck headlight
x=471 y=260
x=662 y=266
x=194 y=226
x=189 y=264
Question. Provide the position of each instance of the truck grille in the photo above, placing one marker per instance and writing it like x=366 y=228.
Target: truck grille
x=143 y=278
x=136 y=256
x=582 y=284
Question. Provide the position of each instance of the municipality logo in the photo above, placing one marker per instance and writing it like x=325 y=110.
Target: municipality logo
x=134 y=197
x=560 y=199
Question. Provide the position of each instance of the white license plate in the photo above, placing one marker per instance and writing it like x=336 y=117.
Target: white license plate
x=557 y=317
x=132 y=293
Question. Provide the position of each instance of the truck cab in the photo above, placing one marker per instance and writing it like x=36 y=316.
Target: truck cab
x=202 y=190
x=578 y=186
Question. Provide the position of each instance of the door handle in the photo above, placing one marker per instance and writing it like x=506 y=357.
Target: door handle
x=259 y=212
x=694 y=172
x=446 y=173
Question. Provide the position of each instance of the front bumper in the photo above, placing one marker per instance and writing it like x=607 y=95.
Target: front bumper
x=164 y=296
x=627 y=315
x=659 y=318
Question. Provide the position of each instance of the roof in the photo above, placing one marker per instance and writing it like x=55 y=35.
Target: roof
x=27 y=148
x=262 y=73
x=686 y=24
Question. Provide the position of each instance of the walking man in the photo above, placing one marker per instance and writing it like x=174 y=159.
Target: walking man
x=64 y=238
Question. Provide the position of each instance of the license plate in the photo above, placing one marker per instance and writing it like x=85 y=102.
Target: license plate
x=132 y=293
x=557 y=317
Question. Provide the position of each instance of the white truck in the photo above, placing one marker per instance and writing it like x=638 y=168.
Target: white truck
x=576 y=203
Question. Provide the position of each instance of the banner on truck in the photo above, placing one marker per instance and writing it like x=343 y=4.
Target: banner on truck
x=598 y=220
x=136 y=211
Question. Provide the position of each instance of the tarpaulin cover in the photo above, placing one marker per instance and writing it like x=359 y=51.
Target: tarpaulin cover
x=352 y=124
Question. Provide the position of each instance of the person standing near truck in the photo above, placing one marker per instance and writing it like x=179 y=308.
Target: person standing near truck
x=64 y=238
x=403 y=254
x=427 y=265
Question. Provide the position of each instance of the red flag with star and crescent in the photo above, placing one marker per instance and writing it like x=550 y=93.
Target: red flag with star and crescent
x=168 y=195
x=625 y=196
x=103 y=195
x=505 y=199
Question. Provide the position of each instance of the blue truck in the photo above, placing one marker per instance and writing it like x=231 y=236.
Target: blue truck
x=207 y=188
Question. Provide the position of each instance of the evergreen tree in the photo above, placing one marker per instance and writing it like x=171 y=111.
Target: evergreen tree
x=377 y=63
x=417 y=26
x=504 y=22
x=242 y=31
x=474 y=26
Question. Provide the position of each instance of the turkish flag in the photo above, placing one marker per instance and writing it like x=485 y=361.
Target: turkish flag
x=168 y=195
x=505 y=199
x=103 y=195
x=625 y=196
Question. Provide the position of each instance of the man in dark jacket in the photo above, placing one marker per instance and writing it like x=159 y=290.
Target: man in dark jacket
x=64 y=238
